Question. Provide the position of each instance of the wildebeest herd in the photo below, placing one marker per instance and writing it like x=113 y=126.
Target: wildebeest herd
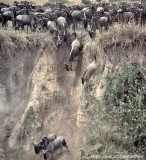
x=58 y=18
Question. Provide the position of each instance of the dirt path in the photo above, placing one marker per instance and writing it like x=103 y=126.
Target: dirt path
x=65 y=124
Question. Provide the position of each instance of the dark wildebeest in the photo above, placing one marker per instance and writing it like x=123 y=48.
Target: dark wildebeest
x=26 y=20
x=43 y=143
x=92 y=32
x=59 y=142
x=103 y=22
x=79 y=16
x=50 y=146
x=7 y=16
x=1 y=19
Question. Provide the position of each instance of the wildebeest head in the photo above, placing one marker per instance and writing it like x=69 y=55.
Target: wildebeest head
x=37 y=148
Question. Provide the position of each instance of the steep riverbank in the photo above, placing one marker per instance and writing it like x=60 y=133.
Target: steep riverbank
x=41 y=97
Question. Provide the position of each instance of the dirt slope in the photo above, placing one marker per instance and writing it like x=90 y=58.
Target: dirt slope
x=53 y=97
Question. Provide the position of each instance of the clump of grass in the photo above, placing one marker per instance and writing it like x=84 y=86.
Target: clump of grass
x=10 y=40
x=40 y=2
x=125 y=101
x=57 y=95
x=44 y=87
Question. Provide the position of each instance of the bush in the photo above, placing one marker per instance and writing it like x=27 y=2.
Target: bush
x=125 y=101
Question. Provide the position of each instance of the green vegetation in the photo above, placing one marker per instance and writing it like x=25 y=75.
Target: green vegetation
x=125 y=101
x=57 y=95
x=28 y=120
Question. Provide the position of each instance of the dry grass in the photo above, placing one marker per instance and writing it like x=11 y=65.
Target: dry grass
x=118 y=35
x=75 y=2
x=11 y=39
x=121 y=44
x=40 y=2
x=34 y=1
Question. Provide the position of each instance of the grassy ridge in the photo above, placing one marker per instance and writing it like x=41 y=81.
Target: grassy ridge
x=112 y=123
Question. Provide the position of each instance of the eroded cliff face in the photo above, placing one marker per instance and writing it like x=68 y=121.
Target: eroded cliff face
x=42 y=97
x=52 y=103
x=38 y=96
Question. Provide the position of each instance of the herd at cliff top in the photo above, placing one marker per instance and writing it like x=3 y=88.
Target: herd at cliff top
x=58 y=18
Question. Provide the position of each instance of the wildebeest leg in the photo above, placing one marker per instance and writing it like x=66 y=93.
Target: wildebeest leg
x=52 y=156
x=65 y=34
x=85 y=25
x=22 y=28
x=61 y=149
x=100 y=28
x=27 y=28
x=71 y=66
x=4 y=23
x=74 y=23
x=45 y=155
x=66 y=66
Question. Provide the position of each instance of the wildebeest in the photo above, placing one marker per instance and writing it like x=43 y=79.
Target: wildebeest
x=44 y=142
x=89 y=71
x=100 y=10
x=76 y=48
x=1 y=19
x=126 y=17
x=62 y=25
x=41 y=22
x=103 y=22
x=26 y=20
x=59 y=142
x=92 y=32
x=52 y=27
x=50 y=145
x=78 y=16
x=7 y=16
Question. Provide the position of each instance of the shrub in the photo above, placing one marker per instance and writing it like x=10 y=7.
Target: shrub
x=125 y=101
